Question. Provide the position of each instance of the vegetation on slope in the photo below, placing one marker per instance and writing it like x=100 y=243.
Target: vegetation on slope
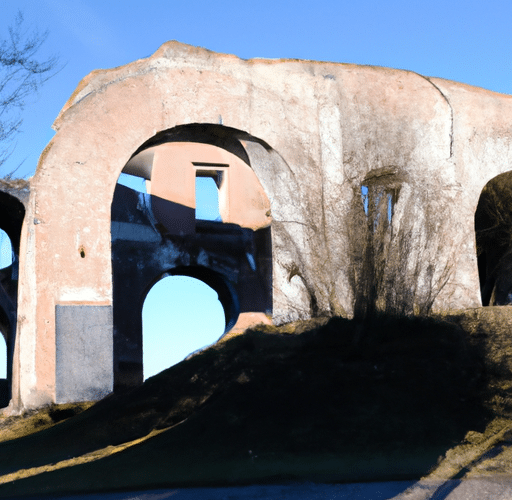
x=326 y=400
x=15 y=427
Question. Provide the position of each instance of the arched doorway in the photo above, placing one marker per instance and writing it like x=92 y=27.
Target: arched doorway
x=180 y=315
x=6 y=261
x=12 y=214
x=493 y=229
x=188 y=203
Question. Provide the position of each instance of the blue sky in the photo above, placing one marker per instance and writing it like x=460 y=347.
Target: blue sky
x=467 y=41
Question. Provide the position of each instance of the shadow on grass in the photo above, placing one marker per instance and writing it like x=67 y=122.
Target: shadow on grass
x=337 y=400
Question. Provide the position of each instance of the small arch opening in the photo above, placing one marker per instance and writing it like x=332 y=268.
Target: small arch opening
x=180 y=315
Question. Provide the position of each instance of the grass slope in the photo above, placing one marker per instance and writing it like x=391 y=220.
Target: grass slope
x=335 y=400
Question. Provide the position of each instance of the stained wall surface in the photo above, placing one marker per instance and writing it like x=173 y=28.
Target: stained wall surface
x=314 y=134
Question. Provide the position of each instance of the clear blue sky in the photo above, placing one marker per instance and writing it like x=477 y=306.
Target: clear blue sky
x=467 y=41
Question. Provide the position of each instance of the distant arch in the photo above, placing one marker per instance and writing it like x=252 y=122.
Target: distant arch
x=180 y=315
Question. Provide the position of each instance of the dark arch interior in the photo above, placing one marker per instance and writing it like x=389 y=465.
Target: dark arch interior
x=493 y=229
x=12 y=213
x=227 y=138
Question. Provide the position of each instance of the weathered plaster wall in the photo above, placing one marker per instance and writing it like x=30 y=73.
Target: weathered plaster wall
x=330 y=127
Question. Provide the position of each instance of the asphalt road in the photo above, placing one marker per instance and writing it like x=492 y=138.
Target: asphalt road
x=468 y=489
x=295 y=491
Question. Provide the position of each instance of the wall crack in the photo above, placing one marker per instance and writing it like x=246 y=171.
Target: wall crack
x=451 y=110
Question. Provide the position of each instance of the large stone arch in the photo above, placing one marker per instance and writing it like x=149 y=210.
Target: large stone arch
x=158 y=233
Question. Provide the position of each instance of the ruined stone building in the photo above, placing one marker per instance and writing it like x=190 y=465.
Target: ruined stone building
x=342 y=189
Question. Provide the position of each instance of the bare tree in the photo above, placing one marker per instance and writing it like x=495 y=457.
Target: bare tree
x=21 y=75
x=399 y=264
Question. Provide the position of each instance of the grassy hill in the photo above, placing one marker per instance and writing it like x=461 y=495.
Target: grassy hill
x=324 y=400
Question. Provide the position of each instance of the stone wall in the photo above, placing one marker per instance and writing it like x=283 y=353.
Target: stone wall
x=314 y=134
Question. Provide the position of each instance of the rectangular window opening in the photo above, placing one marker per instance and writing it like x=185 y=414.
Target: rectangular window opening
x=208 y=183
x=379 y=205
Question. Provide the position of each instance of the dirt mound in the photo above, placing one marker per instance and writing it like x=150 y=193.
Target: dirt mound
x=341 y=401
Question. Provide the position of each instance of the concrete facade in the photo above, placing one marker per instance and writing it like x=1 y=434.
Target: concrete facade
x=358 y=184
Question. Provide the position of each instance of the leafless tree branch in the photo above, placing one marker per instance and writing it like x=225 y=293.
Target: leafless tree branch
x=21 y=75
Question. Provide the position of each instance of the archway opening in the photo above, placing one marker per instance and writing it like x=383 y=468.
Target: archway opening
x=493 y=230
x=188 y=203
x=180 y=315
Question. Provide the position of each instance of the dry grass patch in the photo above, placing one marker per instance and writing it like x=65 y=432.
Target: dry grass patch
x=32 y=421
